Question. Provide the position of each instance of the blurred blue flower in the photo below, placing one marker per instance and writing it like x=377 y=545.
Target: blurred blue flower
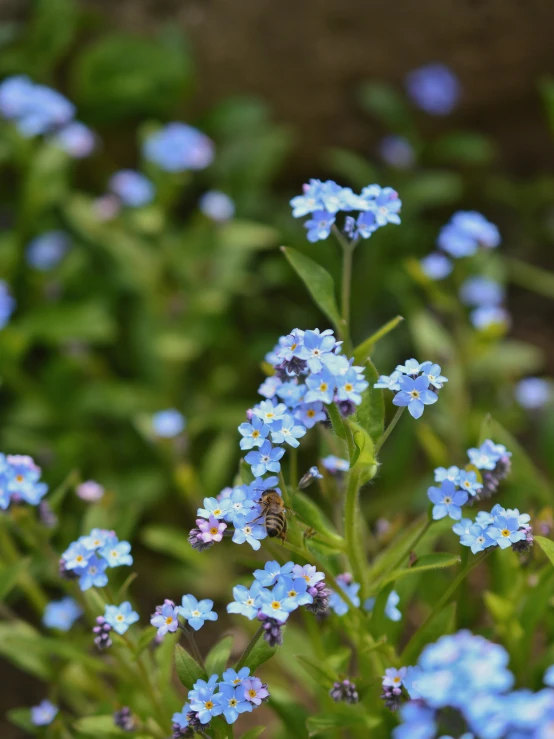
x=36 y=109
x=466 y=232
x=396 y=151
x=76 y=139
x=168 y=423
x=46 y=250
x=335 y=464
x=434 y=88
x=533 y=392
x=61 y=614
x=120 y=617
x=548 y=678
x=387 y=382
x=93 y=574
x=481 y=291
x=44 y=713
x=456 y=243
x=337 y=604
x=196 y=612
x=366 y=225
x=436 y=266
x=383 y=202
x=391 y=610
x=217 y=206
x=487 y=455
x=452 y=473
x=319 y=226
x=484 y=318
x=132 y=188
x=7 y=304
x=178 y=147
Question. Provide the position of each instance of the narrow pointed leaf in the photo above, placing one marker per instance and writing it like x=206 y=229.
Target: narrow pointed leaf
x=218 y=656
x=260 y=654
x=254 y=733
x=321 y=673
x=188 y=669
x=547 y=547
x=365 y=349
x=436 y=561
x=318 y=281
x=442 y=623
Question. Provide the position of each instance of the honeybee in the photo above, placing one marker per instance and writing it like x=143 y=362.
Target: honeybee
x=274 y=513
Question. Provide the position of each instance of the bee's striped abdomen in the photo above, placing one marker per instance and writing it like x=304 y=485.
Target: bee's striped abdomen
x=275 y=524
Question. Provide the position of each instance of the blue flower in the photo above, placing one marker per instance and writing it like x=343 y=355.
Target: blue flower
x=309 y=202
x=548 y=678
x=168 y=423
x=132 y=188
x=476 y=226
x=436 y=266
x=456 y=243
x=178 y=147
x=391 y=610
x=246 y=600
x=463 y=526
x=452 y=474
x=366 y=224
x=415 y=395
x=468 y=482
x=61 y=614
x=505 y=531
x=217 y=206
x=487 y=455
x=76 y=139
x=232 y=702
x=181 y=718
x=76 y=555
x=93 y=574
x=287 y=431
x=239 y=505
x=533 y=392
x=36 y=109
x=319 y=226
x=396 y=151
x=317 y=345
x=297 y=589
x=97 y=538
x=335 y=464
x=116 y=553
x=44 y=713
x=214 y=507
x=166 y=619
x=253 y=433
x=204 y=703
x=481 y=291
x=196 y=612
x=434 y=88
x=276 y=603
x=412 y=367
x=254 y=690
x=231 y=677
x=7 y=304
x=290 y=346
x=291 y=393
x=447 y=500
x=489 y=315
x=389 y=382
x=248 y=531
x=45 y=251
x=309 y=573
x=269 y=386
x=350 y=386
x=321 y=386
x=24 y=479
x=265 y=460
x=120 y=617
x=433 y=372
x=310 y=413
x=384 y=203
x=477 y=538
x=393 y=677
x=271 y=573
x=337 y=604
x=269 y=412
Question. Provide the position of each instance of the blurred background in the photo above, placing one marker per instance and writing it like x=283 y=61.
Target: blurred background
x=149 y=297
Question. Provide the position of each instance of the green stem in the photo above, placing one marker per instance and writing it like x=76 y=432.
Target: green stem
x=388 y=430
x=293 y=469
x=252 y=643
x=194 y=646
x=32 y=590
x=148 y=684
x=346 y=284
x=412 y=545
x=352 y=516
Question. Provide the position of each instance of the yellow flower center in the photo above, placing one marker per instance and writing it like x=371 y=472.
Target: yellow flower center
x=233 y=702
x=119 y=618
x=505 y=532
x=447 y=500
x=396 y=680
x=196 y=613
x=292 y=593
x=255 y=434
x=323 y=387
x=414 y=394
x=293 y=347
x=310 y=413
x=217 y=512
x=252 y=693
x=19 y=478
x=348 y=387
x=276 y=605
x=249 y=602
x=209 y=705
x=213 y=531
x=169 y=619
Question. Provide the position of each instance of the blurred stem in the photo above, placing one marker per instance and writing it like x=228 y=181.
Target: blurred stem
x=194 y=646
x=252 y=643
x=352 y=516
x=389 y=429
x=293 y=469
x=148 y=684
x=32 y=590
x=347 y=252
x=411 y=546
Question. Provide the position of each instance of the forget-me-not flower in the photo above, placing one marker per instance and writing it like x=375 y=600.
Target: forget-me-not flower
x=196 y=612
x=447 y=500
x=120 y=617
x=414 y=394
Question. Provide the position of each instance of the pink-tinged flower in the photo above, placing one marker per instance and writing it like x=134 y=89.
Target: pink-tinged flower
x=90 y=491
x=212 y=529
x=254 y=690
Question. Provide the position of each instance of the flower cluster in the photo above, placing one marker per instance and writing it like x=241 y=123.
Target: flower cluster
x=90 y=556
x=276 y=592
x=493 y=462
x=61 y=614
x=124 y=719
x=393 y=694
x=20 y=481
x=501 y=527
x=376 y=206
x=38 y=109
x=463 y=680
x=344 y=691
x=412 y=382
x=178 y=147
x=195 y=613
x=236 y=693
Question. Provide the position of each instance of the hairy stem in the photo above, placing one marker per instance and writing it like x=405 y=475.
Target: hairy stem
x=251 y=644
x=389 y=429
x=352 y=532
x=406 y=553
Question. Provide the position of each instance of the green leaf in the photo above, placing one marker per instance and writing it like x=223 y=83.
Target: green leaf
x=21 y=717
x=313 y=516
x=336 y=421
x=371 y=413
x=321 y=673
x=533 y=278
x=56 y=498
x=145 y=640
x=378 y=617
x=171 y=541
x=435 y=561
x=259 y=654
x=247 y=235
x=98 y=726
x=363 y=457
x=353 y=167
x=546 y=87
x=123 y=76
x=507 y=359
x=318 y=281
x=432 y=188
x=218 y=656
x=501 y=609
x=18 y=644
x=464 y=147
x=55 y=324
x=442 y=622
x=364 y=350
x=547 y=547
x=386 y=103
x=253 y=733
x=9 y=576
x=323 y=723
x=188 y=669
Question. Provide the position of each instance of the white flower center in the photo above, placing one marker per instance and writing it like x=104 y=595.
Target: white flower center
x=447 y=500
x=196 y=614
